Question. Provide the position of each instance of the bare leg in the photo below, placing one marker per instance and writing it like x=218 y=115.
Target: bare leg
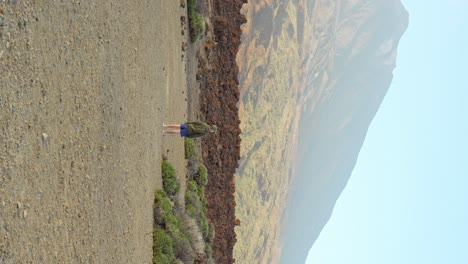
x=172 y=125
x=173 y=132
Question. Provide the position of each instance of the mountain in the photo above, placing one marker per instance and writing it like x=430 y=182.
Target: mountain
x=312 y=76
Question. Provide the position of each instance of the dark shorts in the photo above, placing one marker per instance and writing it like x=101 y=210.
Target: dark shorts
x=183 y=130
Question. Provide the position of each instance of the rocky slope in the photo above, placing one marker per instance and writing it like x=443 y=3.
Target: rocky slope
x=339 y=58
x=333 y=131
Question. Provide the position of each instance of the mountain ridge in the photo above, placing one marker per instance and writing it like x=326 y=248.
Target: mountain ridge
x=337 y=60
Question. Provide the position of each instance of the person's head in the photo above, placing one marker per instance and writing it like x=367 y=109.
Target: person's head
x=213 y=129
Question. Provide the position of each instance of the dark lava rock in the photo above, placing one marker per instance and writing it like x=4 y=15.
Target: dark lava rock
x=219 y=95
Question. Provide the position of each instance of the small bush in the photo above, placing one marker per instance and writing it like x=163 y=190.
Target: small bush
x=192 y=167
x=160 y=258
x=170 y=243
x=191 y=198
x=204 y=202
x=194 y=234
x=208 y=250
x=165 y=209
x=196 y=21
x=195 y=206
x=201 y=195
x=190 y=148
x=170 y=184
x=191 y=5
x=191 y=210
x=205 y=227
x=162 y=247
x=182 y=248
x=192 y=186
x=197 y=26
x=162 y=202
x=202 y=176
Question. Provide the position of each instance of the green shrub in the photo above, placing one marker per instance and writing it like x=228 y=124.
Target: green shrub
x=197 y=26
x=163 y=207
x=208 y=250
x=190 y=150
x=205 y=227
x=191 y=194
x=170 y=184
x=191 y=5
x=192 y=186
x=201 y=191
x=162 y=247
x=191 y=198
x=166 y=210
x=171 y=242
x=159 y=258
x=195 y=206
x=196 y=21
x=202 y=176
x=162 y=202
x=203 y=200
x=211 y=233
x=162 y=241
x=191 y=210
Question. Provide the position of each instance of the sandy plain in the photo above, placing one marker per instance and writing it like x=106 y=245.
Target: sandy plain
x=84 y=89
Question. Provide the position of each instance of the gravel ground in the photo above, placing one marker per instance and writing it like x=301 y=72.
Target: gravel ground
x=84 y=89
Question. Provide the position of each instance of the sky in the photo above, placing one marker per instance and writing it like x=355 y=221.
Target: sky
x=407 y=199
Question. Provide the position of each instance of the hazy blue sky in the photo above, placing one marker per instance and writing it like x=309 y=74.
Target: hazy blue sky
x=407 y=200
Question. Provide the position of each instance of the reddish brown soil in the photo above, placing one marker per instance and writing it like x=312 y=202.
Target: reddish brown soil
x=219 y=95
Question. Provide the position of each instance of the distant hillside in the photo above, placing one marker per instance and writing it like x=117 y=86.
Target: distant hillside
x=313 y=72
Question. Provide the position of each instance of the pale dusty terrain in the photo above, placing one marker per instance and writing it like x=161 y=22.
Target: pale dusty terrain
x=84 y=89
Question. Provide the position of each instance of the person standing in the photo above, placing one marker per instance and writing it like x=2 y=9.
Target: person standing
x=190 y=129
